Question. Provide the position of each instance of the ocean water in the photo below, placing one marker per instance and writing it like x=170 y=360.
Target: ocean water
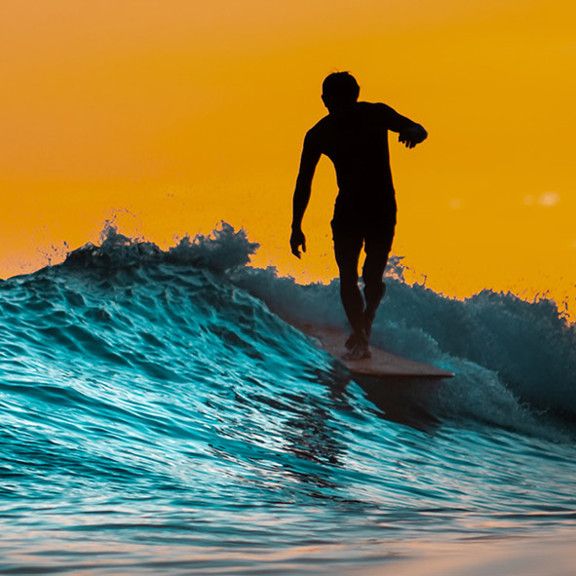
x=160 y=415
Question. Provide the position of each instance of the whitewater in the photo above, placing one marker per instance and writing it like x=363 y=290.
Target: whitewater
x=161 y=415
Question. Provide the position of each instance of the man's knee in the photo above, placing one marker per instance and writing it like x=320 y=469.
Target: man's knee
x=373 y=271
x=374 y=291
x=372 y=274
x=348 y=280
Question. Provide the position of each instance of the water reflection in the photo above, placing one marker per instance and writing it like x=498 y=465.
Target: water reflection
x=404 y=400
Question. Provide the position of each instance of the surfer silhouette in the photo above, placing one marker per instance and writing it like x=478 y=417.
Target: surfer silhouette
x=354 y=135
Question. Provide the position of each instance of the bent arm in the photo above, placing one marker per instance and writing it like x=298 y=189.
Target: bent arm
x=413 y=135
x=310 y=156
x=410 y=132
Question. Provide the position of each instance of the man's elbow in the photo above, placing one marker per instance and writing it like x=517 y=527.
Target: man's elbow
x=420 y=133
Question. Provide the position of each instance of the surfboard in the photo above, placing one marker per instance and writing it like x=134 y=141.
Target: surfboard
x=381 y=364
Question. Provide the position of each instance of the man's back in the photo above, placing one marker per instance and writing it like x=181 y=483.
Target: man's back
x=356 y=140
x=357 y=144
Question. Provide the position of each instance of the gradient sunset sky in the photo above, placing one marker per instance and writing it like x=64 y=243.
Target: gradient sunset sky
x=172 y=115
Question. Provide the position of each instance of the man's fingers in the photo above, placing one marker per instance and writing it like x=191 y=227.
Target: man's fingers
x=296 y=250
x=294 y=247
x=297 y=239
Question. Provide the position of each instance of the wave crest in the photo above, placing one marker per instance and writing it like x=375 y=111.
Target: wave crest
x=222 y=250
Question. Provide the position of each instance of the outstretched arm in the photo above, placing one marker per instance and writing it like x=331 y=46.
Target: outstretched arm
x=308 y=162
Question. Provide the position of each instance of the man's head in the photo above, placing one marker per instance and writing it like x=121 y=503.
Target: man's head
x=339 y=91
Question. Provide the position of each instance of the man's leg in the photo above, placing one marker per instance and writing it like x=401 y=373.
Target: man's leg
x=374 y=288
x=347 y=253
x=377 y=252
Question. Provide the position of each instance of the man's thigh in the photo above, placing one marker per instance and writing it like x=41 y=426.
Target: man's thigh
x=378 y=244
x=347 y=247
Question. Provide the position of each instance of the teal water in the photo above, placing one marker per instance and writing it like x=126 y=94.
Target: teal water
x=160 y=416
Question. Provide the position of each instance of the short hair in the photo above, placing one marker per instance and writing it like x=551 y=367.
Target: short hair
x=341 y=86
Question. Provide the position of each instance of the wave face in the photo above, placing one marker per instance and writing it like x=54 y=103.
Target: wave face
x=161 y=416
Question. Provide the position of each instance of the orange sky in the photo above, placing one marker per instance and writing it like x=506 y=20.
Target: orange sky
x=175 y=114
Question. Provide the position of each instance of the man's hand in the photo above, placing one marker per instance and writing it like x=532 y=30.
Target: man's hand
x=297 y=239
x=412 y=136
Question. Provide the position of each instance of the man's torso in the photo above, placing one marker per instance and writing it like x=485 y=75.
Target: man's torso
x=357 y=145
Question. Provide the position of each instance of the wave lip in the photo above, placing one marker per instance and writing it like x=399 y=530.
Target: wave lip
x=108 y=303
x=223 y=250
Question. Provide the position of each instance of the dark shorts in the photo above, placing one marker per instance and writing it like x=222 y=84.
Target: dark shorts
x=376 y=236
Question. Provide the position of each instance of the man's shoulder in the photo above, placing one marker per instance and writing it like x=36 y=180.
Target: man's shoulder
x=320 y=126
x=376 y=108
x=319 y=131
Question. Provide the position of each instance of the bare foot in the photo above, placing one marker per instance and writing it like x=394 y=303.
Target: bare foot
x=351 y=341
x=359 y=352
x=357 y=339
